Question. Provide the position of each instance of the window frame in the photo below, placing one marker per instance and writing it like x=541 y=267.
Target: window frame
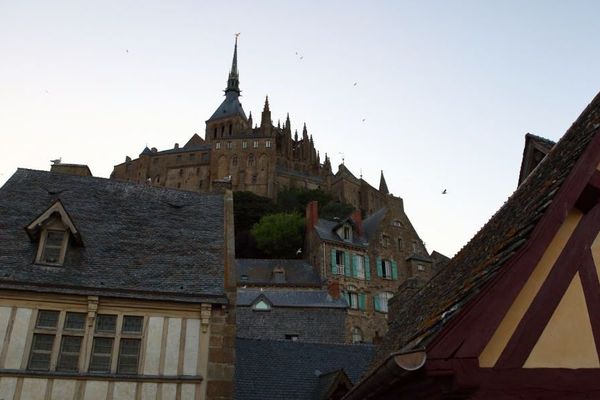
x=386 y=268
x=340 y=266
x=55 y=227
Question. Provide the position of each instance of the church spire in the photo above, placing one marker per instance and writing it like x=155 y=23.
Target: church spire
x=382 y=185
x=233 y=82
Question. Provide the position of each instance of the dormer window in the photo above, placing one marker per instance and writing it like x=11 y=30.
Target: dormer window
x=53 y=231
x=53 y=247
x=347 y=233
x=261 y=305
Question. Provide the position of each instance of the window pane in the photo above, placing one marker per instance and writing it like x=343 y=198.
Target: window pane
x=106 y=323
x=75 y=321
x=68 y=358
x=101 y=352
x=47 y=319
x=51 y=255
x=41 y=349
x=128 y=356
x=55 y=238
x=132 y=324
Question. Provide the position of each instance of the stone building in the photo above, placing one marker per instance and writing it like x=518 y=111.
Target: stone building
x=368 y=259
x=110 y=290
x=516 y=313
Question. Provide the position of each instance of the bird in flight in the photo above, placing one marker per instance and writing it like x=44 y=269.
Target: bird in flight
x=444 y=191
x=364 y=119
x=355 y=83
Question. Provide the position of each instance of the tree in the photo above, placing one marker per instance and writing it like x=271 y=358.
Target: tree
x=335 y=210
x=249 y=208
x=295 y=199
x=280 y=235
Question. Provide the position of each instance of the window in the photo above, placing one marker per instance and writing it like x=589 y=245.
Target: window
x=128 y=343
x=218 y=145
x=180 y=172
x=53 y=247
x=356 y=301
x=347 y=233
x=250 y=160
x=255 y=144
x=386 y=269
x=51 y=326
x=215 y=133
x=254 y=178
x=360 y=266
x=230 y=129
x=415 y=247
x=230 y=145
x=399 y=244
x=268 y=144
x=234 y=161
x=397 y=223
x=292 y=337
x=339 y=261
x=380 y=301
x=244 y=145
x=420 y=267
x=261 y=305
x=385 y=240
x=357 y=336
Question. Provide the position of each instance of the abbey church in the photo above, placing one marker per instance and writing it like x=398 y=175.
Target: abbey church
x=242 y=154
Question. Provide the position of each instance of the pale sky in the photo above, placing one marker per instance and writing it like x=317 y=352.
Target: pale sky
x=447 y=89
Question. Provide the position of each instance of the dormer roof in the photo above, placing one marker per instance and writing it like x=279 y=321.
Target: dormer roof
x=56 y=210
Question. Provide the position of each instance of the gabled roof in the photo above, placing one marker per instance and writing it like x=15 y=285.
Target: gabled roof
x=253 y=271
x=326 y=230
x=534 y=151
x=140 y=241
x=290 y=298
x=423 y=316
x=56 y=209
x=287 y=370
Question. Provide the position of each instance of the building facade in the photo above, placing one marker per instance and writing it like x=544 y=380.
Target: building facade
x=103 y=298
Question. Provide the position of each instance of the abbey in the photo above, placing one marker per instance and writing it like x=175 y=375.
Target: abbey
x=242 y=154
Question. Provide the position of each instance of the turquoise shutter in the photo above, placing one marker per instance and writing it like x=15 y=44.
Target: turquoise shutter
x=367 y=269
x=334 y=269
x=394 y=270
x=347 y=266
x=354 y=265
x=379 y=267
x=376 y=303
x=362 y=301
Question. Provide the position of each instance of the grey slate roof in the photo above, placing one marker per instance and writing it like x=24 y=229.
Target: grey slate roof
x=260 y=272
x=139 y=241
x=290 y=298
x=326 y=231
x=289 y=370
x=229 y=107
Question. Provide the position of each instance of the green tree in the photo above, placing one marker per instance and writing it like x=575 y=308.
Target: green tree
x=336 y=210
x=279 y=235
x=295 y=199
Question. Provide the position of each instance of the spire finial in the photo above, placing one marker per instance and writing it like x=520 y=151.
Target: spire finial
x=233 y=83
x=266 y=104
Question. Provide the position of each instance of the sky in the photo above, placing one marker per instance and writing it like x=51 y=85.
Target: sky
x=437 y=94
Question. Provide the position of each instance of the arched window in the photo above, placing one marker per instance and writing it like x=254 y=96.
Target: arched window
x=357 y=336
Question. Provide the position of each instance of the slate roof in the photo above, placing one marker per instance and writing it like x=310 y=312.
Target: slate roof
x=229 y=107
x=188 y=149
x=270 y=369
x=290 y=298
x=422 y=316
x=260 y=272
x=326 y=231
x=139 y=240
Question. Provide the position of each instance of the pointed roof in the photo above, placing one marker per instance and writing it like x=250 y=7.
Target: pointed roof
x=231 y=106
x=382 y=185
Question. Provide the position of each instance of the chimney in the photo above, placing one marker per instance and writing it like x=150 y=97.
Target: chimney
x=333 y=289
x=312 y=215
x=176 y=145
x=357 y=218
